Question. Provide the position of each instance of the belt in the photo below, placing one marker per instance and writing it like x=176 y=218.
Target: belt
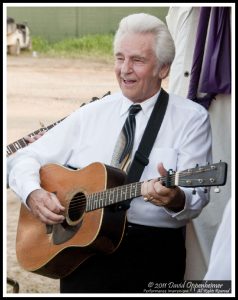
x=131 y=227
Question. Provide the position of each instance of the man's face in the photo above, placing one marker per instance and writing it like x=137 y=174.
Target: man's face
x=136 y=66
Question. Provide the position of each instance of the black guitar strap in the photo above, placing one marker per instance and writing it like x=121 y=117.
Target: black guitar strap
x=141 y=158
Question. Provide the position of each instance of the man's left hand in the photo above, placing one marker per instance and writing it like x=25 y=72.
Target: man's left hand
x=155 y=192
x=34 y=138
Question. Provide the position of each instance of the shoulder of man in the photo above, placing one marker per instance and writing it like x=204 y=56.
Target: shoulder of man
x=186 y=104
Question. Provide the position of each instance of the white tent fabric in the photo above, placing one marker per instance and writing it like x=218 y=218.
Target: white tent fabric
x=221 y=250
x=182 y=23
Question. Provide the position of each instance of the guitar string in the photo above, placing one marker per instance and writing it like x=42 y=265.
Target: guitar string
x=89 y=198
x=106 y=193
x=120 y=188
x=137 y=184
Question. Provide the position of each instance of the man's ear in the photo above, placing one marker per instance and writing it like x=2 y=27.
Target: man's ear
x=164 y=71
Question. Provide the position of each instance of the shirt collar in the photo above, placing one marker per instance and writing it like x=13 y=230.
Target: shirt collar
x=146 y=105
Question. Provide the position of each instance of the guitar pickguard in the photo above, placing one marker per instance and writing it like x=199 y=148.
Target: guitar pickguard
x=62 y=233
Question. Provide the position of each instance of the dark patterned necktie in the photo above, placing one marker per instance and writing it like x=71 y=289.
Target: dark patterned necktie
x=125 y=141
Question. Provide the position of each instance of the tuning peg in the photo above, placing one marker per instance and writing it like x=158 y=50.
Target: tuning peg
x=217 y=190
x=205 y=190
x=194 y=192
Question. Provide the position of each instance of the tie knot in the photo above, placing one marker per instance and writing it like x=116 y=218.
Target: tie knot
x=134 y=109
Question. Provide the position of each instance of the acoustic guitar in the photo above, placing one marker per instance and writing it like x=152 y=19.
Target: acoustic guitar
x=93 y=223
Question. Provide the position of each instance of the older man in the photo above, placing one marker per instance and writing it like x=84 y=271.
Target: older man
x=152 y=249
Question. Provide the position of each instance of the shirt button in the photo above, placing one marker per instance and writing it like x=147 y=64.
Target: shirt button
x=186 y=74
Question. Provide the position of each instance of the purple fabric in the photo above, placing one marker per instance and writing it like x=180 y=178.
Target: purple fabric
x=198 y=52
x=211 y=68
x=216 y=77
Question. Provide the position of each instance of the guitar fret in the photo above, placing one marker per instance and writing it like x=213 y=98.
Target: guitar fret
x=133 y=191
x=9 y=150
x=110 y=197
x=101 y=198
x=22 y=142
x=96 y=204
x=95 y=201
x=138 y=189
x=101 y=202
x=32 y=134
x=91 y=203
x=123 y=193
x=17 y=145
x=130 y=192
x=115 y=195
x=12 y=148
x=120 y=191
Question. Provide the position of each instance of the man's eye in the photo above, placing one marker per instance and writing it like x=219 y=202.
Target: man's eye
x=138 y=60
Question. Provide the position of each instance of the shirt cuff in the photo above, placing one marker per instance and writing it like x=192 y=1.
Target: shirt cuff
x=28 y=188
x=180 y=214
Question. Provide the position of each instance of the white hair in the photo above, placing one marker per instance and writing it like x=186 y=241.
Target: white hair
x=145 y=23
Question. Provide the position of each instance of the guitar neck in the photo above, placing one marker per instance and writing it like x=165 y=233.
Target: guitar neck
x=113 y=196
x=124 y=192
x=204 y=176
x=21 y=143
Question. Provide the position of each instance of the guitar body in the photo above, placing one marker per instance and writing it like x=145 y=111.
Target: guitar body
x=56 y=250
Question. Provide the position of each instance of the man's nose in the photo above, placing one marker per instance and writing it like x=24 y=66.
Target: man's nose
x=126 y=67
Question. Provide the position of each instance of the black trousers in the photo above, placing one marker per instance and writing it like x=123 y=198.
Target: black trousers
x=147 y=256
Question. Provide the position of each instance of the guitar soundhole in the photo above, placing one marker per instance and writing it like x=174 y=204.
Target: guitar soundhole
x=77 y=207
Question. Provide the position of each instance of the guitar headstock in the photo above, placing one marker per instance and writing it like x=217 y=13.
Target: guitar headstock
x=209 y=175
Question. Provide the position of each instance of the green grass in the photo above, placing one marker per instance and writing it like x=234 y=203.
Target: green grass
x=90 y=45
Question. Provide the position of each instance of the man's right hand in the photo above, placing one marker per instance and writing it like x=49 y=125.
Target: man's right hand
x=45 y=206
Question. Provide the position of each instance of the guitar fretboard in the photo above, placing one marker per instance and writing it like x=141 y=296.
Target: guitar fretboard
x=21 y=143
x=210 y=175
x=113 y=196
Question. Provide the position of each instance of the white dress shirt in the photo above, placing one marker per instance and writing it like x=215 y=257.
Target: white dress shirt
x=89 y=135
